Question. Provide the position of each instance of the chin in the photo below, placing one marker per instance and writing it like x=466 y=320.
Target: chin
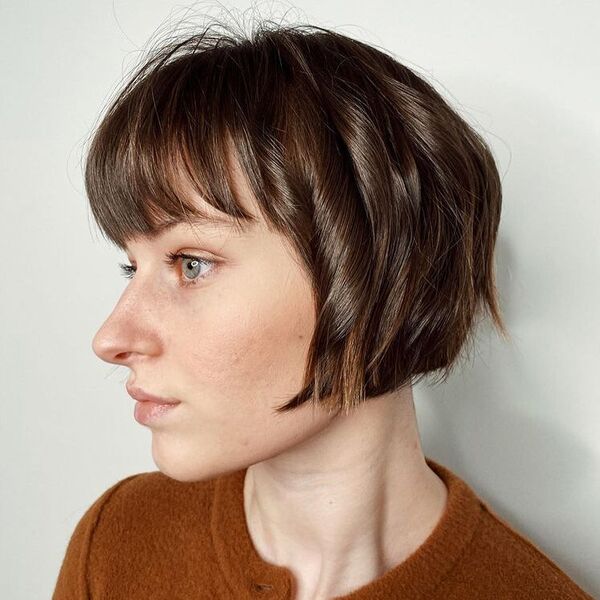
x=189 y=466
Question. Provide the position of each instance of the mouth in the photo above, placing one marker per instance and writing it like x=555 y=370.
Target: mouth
x=153 y=413
x=140 y=395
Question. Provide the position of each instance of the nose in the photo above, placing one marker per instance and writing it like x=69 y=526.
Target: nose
x=108 y=344
x=127 y=333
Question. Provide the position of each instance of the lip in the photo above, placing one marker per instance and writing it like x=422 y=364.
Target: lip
x=152 y=413
x=150 y=409
x=140 y=395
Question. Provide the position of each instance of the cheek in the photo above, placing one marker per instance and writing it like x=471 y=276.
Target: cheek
x=237 y=357
x=249 y=350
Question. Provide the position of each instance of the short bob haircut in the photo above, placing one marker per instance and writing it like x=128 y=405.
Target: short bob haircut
x=390 y=199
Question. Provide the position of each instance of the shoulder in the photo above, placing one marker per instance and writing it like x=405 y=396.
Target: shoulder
x=137 y=516
x=84 y=529
x=147 y=504
x=506 y=564
x=141 y=493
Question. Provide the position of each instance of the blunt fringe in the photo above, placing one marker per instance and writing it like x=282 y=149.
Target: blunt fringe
x=391 y=200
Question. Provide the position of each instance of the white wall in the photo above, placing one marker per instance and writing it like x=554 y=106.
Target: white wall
x=519 y=423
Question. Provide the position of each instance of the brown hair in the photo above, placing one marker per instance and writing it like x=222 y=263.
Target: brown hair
x=391 y=200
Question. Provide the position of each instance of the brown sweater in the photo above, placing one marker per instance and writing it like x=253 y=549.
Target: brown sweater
x=150 y=537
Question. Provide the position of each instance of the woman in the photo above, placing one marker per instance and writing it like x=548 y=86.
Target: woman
x=310 y=230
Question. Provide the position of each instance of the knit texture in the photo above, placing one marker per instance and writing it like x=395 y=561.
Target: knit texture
x=150 y=537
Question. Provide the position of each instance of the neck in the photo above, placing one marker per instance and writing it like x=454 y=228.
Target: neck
x=348 y=504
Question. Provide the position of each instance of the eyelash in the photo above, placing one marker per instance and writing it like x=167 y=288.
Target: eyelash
x=171 y=259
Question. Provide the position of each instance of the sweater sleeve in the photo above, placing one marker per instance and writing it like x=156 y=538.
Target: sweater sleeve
x=72 y=580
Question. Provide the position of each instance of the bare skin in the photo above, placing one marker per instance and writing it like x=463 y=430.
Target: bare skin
x=347 y=504
x=339 y=499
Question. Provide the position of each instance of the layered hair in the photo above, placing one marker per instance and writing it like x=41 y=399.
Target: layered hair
x=390 y=199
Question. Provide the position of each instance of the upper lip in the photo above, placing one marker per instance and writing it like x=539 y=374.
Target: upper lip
x=139 y=394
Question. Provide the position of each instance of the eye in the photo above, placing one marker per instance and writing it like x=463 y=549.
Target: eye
x=190 y=266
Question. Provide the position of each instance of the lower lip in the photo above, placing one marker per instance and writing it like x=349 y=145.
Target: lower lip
x=148 y=413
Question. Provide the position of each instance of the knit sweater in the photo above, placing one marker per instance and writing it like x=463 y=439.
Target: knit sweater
x=150 y=537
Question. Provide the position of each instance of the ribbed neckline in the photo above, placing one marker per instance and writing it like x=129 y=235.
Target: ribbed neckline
x=249 y=576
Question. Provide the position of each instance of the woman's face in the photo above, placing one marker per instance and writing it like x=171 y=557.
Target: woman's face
x=230 y=346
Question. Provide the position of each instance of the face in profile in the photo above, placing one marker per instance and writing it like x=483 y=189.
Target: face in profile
x=227 y=335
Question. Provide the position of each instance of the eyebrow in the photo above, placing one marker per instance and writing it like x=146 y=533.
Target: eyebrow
x=203 y=222
x=197 y=221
